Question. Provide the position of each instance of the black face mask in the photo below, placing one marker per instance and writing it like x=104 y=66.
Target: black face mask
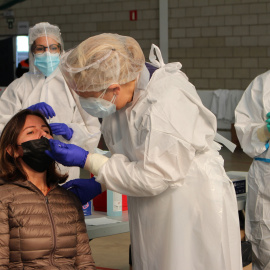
x=34 y=154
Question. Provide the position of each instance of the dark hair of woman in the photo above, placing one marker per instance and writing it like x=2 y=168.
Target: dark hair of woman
x=10 y=167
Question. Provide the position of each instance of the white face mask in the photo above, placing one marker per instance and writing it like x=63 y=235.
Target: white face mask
x=98 y=107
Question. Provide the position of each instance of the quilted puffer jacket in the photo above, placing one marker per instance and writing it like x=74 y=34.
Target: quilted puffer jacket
x=42 y=232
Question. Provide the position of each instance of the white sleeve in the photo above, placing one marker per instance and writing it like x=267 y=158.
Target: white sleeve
x=10 y=102
x=130 y=178
x=250 y=115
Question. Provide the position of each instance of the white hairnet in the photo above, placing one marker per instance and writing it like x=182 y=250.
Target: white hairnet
x=43 y=29
x=101 y=61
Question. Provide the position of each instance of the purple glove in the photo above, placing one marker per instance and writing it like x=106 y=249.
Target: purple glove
x=62 y=129
x=43 y=108
x=84 y=189
x=67 y=154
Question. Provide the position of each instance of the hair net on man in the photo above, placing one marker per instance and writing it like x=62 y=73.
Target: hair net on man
x=101 y=61
x=43 y=29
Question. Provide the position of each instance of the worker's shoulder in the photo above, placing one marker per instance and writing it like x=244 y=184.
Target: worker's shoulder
x=171 y=89
x=260 y=83
x=263 y=77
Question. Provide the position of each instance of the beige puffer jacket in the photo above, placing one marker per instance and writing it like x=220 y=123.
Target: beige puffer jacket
x=42 y=232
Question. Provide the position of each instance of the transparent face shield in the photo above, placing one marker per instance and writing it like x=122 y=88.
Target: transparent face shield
x=45 y=47
x=68 y=74
x=73 y=75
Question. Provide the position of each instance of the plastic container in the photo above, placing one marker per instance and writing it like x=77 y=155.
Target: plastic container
x=114 y=203
x=87 y=209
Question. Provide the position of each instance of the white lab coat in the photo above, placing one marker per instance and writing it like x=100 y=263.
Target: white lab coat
x=250 y=115
x=182 y=206
x=34 y=88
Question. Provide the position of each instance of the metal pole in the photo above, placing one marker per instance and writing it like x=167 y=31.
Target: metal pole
x=163 y=29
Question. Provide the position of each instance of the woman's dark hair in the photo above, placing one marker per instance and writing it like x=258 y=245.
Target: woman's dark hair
x=10 y=167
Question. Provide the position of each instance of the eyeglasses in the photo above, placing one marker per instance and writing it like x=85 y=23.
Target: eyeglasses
x=53 y=48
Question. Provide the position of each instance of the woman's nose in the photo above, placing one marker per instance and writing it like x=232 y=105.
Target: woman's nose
x=42 y=133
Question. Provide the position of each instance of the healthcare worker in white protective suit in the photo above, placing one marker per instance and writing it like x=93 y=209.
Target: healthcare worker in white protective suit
x=182 y=206
x=252 y=124
x=44 y=89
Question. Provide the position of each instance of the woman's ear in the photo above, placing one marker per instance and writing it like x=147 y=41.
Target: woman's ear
x=12 y=152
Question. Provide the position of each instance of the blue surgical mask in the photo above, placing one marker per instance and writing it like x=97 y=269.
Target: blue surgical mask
x=98 y=107
x=47 y=62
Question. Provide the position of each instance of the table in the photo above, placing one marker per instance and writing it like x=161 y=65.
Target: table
x=108 y=229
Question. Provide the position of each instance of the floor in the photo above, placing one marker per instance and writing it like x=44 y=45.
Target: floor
x=112 y=252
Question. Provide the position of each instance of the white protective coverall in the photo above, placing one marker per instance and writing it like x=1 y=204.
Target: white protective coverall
x=250 y=115
x=182 y=206
x=34 y=88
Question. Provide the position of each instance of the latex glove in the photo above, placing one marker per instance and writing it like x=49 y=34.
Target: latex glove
x=67 y=154
x=268 y=121
x=62 y=129
x=43 y=108
x=84 y=189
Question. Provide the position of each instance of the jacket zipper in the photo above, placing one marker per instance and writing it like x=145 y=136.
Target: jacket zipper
x=50 y=217
x=53 y=229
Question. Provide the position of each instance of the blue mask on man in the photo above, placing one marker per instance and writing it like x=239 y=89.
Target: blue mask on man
x=47 y=62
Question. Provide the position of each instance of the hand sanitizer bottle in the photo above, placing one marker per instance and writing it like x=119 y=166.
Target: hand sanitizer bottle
x=114 y=204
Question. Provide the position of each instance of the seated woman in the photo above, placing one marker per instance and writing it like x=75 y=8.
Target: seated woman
x=42 y=224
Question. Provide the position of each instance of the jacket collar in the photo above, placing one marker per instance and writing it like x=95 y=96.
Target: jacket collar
x=21 y=183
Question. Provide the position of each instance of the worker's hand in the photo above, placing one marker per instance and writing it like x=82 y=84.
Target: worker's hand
x=43 y=108
x=67 y=154
x=84 y=189
x=62 y=129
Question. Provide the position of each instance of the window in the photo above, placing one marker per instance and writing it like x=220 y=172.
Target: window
x=22 y=48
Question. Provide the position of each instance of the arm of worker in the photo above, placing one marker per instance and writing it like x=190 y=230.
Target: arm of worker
x=10 y=102
x=121 y=169
x=84 y=189
x=12 y=98
x=161 y=167
x=250 y=117
x=4 y=237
